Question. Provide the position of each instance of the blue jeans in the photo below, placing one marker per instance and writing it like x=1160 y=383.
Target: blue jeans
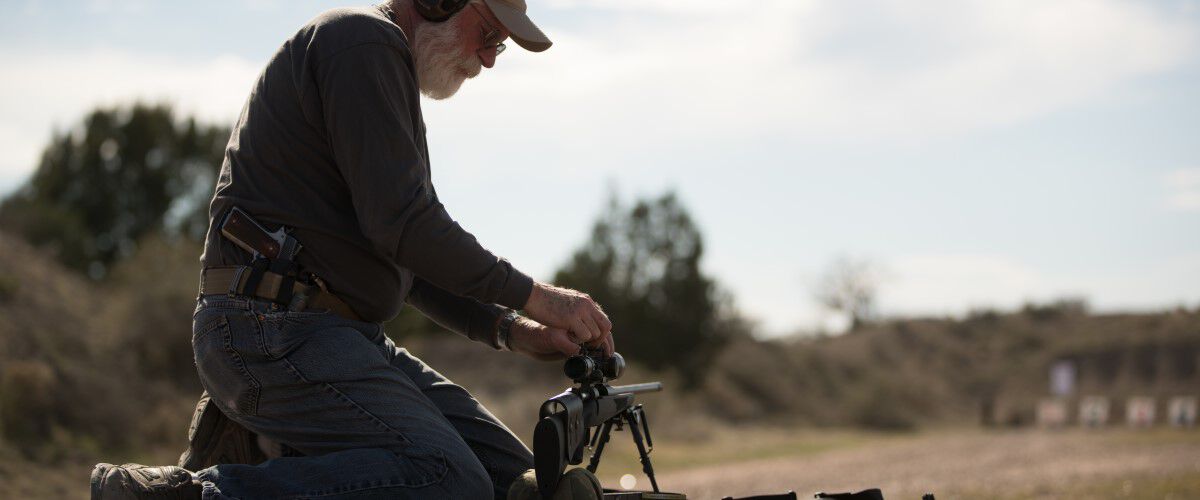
x=371 y=420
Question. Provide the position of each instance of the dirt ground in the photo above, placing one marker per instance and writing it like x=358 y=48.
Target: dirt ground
x=1159 y=464
x=967 y=464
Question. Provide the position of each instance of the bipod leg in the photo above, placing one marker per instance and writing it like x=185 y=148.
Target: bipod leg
x=635 y=416
x=601 y=440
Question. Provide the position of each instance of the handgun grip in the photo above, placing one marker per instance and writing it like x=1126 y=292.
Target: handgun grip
x=244 y=232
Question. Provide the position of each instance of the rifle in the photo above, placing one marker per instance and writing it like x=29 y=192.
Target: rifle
x=585 y=415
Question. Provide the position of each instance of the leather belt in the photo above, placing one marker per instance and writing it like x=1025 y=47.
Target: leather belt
x=231 y=280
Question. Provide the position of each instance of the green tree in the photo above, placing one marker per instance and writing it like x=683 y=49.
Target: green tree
x=122 y=174
x=642 y=264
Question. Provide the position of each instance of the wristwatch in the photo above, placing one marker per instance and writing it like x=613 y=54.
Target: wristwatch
x=504 y=329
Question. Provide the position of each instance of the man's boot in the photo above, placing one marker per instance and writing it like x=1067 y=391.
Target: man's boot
x=135 y=482
x=215 y=439
x=575 y=484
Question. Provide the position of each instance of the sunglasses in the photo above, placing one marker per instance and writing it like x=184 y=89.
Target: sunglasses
x=492 y=38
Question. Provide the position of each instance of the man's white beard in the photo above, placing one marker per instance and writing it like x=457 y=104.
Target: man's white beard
x=441 y=68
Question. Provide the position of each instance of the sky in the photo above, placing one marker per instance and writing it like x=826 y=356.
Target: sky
x=979 y=154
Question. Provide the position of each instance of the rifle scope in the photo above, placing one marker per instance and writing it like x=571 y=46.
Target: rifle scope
x=592 y=366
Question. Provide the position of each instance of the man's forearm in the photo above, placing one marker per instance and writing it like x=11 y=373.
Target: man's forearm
x=462 y=315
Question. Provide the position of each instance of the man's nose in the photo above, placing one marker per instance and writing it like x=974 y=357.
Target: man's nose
x=488 y=57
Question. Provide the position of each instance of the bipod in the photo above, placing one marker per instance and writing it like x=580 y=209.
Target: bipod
x=636 y=418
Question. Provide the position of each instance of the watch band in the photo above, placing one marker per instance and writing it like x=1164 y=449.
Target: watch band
x=504 y=329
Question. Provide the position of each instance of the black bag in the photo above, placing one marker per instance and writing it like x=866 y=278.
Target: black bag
x=871 y=494
x=642 y=495
x=791 y=495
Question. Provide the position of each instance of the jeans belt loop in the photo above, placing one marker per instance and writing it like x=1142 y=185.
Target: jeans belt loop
x=237 y=278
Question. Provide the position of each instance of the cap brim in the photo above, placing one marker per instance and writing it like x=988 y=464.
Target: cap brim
x=521 y=29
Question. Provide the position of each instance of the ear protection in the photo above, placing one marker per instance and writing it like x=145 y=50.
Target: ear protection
x=439 y=10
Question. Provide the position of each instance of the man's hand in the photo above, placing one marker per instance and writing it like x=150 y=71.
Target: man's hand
x=572 y=311
x=539 y=341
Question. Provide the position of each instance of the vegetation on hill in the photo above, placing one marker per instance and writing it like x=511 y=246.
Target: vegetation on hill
x=122 y=174
x=108 y=366
x=87 y=367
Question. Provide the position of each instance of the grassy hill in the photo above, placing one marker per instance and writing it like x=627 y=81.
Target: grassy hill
x=76 y=365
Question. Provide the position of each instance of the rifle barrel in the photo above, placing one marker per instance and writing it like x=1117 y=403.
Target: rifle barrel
x=636 y=388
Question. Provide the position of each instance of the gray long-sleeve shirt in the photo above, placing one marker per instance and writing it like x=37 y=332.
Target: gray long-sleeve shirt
x=331 y=143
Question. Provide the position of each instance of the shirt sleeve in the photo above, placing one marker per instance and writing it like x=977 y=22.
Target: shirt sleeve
x=372 y=114
x=462 y=315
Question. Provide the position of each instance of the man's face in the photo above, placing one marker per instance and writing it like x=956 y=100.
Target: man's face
x=448 y=53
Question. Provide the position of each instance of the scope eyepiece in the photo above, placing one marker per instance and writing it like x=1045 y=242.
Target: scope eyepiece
x=579 y=367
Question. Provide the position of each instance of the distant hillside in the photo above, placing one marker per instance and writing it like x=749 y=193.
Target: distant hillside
x=990 y=367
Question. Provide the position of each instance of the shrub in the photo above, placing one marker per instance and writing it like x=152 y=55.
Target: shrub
x=26 y=397
x=8 y=287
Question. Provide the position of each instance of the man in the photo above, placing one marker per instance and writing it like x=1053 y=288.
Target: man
x=331 y=145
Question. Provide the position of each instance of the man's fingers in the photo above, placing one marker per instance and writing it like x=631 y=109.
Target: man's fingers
x=597 y=317
x=601 y=320
x=579 y=331
x=585 y=330
x=570 y=309
x=606 y=343
x=609 y=346
x=561 y=341
x=594 y=331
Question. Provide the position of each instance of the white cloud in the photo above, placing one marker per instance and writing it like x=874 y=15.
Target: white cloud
x=667 y=74
x=110 y=6
x=1183 y=189
x=40 y=91
x=839 y=71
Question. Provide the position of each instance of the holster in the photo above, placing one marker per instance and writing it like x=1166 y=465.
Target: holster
x=304 y=293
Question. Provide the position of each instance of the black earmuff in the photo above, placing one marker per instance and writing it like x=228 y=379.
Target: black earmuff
x=439 y=10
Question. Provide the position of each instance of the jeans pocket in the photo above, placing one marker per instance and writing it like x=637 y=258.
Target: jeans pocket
x=222 y=369
x=285 y=331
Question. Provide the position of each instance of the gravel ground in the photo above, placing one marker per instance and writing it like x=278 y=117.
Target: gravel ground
x=1025 y=464
x=1073 y=464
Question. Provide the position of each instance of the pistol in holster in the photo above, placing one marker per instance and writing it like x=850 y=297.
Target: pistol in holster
x=273 y=263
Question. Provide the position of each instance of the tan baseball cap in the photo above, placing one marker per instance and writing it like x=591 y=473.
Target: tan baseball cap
x=511 y=14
